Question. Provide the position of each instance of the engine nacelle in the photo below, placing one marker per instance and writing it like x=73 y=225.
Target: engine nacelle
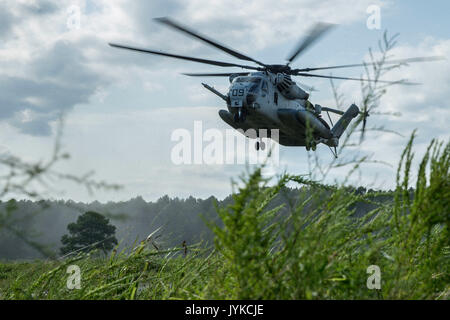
x=289 y=89
x=307 y=118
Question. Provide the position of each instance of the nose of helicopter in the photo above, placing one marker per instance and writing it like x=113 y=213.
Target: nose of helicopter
x=242 y=95
x=244 y=100
x=237 y=94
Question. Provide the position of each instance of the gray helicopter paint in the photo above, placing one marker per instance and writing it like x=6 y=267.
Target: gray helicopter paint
x=288 y=115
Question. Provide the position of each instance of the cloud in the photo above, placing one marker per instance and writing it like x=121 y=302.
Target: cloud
x=423 y=108
x=269 y=22
x=58 y=79
x=48 y=68
x=123 y=105
x=13 y=13
x=6 y=21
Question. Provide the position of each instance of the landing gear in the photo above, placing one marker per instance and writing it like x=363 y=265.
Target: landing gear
x=260 y=145
x=311 y=145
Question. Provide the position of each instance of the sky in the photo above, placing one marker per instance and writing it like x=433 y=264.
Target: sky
x=120 y=108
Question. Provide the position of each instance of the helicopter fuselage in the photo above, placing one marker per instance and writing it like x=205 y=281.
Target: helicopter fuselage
x=255 y=102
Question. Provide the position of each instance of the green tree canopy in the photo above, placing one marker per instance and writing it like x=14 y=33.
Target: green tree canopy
x=91 y=231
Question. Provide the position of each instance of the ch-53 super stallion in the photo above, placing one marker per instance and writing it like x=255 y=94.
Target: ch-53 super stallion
x=267 y=97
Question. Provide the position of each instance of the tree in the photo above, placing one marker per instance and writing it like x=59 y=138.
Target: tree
x=91 y=231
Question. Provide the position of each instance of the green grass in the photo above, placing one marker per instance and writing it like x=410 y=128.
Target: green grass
x=320 y=250
x=140 y=274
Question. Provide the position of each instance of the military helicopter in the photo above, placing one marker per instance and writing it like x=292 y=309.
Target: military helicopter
x=268 y=98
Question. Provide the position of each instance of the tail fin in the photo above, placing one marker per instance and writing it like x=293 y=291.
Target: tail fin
x=344 y=121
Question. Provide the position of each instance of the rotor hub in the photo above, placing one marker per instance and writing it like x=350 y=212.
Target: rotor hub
x=279 y=68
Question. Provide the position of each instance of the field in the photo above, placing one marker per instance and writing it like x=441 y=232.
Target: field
x=321 y=250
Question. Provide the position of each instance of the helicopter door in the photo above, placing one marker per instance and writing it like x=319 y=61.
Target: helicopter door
x=264 y=89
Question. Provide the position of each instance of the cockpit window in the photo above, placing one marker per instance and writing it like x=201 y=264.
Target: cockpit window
x=255 y=87
x=253 y=83
x=248 y=79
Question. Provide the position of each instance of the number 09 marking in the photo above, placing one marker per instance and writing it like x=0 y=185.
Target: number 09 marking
x=237 y=92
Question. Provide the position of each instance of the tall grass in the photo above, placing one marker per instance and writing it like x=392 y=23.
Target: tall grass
x=317 y=249
x=322 y=251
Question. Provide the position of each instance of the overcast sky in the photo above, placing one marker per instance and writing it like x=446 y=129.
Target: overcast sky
x=121 y=107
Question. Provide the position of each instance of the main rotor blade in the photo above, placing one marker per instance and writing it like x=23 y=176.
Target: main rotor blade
x=215 y=74
x=206 y=61
x=357 y=79
x=234 y=53
x=314 y=34
x=400 y=61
